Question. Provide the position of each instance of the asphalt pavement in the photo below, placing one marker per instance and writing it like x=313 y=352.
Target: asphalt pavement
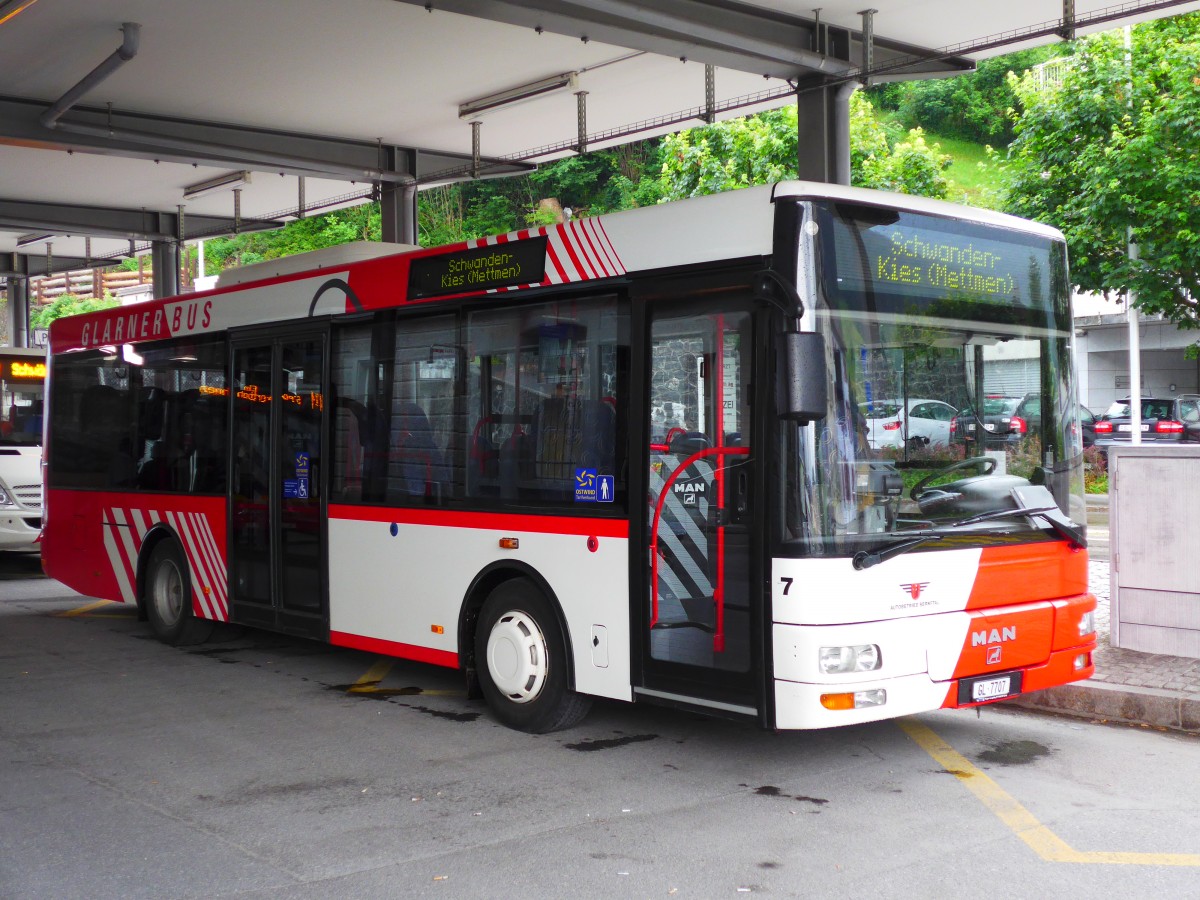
x=1147 y=689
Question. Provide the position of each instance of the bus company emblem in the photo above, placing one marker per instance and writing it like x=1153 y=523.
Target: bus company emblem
x=914 y=589
x=690 y=491
x=995 y=636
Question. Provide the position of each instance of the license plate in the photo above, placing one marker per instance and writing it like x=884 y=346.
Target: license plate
x=1142 y=427
x=971 y=427
x=989 y=427
x=989 y=687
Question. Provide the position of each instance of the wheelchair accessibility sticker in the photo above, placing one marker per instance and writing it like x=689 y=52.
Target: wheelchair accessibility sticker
x=593 y=488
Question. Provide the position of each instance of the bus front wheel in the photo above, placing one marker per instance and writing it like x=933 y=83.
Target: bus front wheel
x=168 y=598
x=522 y=661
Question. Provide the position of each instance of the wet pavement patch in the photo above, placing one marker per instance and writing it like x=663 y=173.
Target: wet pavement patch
x=443 y=714
x=770 y=790
x=368 y=689
x=609 y=743
x=1014 y=753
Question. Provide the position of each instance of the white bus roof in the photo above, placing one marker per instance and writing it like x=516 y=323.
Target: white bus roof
x=817 y=191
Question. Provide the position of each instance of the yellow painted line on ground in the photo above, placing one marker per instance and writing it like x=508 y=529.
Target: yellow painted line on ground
x=83 y=610
x=1040 y=839
x=369 y=683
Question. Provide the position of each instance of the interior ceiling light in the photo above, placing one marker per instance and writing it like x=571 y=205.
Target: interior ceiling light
x=10 y=8
x=520 y=94
x=225 y=182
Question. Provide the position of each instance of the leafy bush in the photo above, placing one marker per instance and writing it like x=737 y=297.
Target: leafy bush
x=69 y=305
x=1095 y=471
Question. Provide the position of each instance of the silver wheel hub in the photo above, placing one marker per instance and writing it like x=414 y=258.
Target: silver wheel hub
x=168 y=593
x=516 y=657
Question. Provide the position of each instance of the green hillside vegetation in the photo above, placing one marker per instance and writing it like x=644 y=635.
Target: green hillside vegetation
x=975 y=177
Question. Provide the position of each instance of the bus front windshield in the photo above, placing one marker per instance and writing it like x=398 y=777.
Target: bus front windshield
x=951 y=390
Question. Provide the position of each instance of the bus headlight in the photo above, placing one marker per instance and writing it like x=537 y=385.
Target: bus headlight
x=1087 y=622
x=5 y=499
x=855 y=658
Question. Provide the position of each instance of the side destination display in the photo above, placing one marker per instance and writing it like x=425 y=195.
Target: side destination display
x=478 y=269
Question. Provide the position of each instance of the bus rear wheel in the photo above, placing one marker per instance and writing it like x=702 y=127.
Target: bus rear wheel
x=522 y=661
x=169 y=599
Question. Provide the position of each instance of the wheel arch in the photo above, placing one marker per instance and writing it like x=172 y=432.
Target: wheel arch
x=486 y=581
x=160 y=532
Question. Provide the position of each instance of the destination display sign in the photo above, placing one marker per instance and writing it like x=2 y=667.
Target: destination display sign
x=15 y=368
x=478 y=269
x=927 y=258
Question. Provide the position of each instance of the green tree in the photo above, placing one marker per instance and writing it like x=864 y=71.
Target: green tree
x=976 y=107
x=1094 y=159
x=762 y=148
x=69 y=305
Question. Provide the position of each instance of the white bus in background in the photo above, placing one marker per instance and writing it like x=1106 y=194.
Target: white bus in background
x=22 y=380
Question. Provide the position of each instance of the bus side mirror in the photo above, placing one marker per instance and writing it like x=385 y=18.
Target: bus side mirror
x=807 y=394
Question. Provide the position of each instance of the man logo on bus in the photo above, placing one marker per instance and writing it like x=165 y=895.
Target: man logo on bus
x=690 y=492
x=995 y=636
x=914 y=589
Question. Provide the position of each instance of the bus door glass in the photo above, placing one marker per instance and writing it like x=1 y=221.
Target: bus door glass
x=699 y=510
x=276 y=531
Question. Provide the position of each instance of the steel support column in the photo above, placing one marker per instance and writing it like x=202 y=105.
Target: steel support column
x=165 y=255
x=18 y=311
x=398 y=199
x=823 y=147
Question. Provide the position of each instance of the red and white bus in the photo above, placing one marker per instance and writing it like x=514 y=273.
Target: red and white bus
x=621 y=457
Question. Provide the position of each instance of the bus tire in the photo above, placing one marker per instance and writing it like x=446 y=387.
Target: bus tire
x=522 y=661
x=168 y=598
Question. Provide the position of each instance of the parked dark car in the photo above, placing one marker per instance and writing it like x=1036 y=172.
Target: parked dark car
x=1087 y=424
x=1164 y=421
x=999 y=423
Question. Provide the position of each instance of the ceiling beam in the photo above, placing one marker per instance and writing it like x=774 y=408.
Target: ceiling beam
x=33 y=265
x=731 y=35
x=127 y=224
x=140 y=136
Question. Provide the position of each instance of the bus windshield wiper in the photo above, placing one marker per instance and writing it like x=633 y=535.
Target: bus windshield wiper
x=1062 y=526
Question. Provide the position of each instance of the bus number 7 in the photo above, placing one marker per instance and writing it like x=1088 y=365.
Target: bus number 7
x=787 y=585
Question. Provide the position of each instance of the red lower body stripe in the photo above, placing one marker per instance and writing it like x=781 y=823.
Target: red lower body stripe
x=394 y=648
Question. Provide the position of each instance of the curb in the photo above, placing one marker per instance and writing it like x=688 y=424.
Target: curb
x=1097 y=500
x=1118 y=703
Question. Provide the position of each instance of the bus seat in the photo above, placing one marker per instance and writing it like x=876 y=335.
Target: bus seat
x=512 y=462
x=574 y=434
x=418 y=466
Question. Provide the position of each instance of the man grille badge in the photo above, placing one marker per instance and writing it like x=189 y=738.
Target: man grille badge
x=914 y=589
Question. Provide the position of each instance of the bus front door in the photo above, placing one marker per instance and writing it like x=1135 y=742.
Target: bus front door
x=701 y=617
x=276 y=528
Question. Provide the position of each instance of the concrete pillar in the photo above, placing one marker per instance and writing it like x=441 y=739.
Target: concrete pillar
x=823 y=121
